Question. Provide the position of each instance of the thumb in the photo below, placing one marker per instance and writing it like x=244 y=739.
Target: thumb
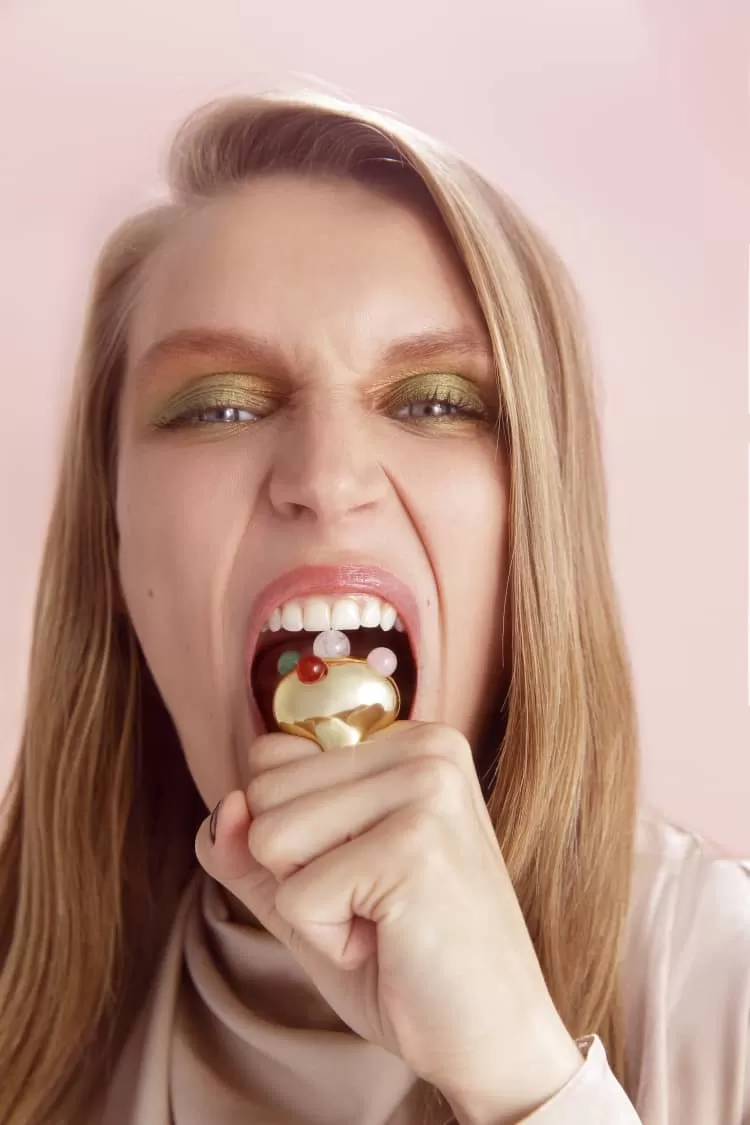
x=228 y=860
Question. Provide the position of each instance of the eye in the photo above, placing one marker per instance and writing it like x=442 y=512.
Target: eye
x=439 y=405
x=439 y=400
x=224 y=401
x=216 y=415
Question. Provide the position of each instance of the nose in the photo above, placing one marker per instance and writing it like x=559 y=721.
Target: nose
x=326 y=465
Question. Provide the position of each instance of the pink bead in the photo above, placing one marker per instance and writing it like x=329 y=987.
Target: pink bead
x=383 y=661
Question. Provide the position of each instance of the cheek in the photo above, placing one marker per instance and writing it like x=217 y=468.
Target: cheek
x=177 y=520
x=466 y=501
x=181 y=519
x=467 y=517
x=175 y=515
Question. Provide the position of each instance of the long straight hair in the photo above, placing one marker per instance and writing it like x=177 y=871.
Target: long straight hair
x=101 y=813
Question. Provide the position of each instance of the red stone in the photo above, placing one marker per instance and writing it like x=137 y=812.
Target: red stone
x=311 y=669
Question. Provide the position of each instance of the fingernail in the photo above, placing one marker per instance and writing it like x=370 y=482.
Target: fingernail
x=212 y=822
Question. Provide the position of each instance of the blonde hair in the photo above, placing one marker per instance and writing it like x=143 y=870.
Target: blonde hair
x=101 y=813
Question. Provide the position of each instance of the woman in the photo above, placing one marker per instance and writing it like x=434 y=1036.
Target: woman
x=337 y=380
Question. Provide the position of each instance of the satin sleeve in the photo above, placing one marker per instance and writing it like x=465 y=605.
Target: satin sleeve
x=689 y=1033
x=592 y=1097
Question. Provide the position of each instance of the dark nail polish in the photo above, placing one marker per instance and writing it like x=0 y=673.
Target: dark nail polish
x=212 y=822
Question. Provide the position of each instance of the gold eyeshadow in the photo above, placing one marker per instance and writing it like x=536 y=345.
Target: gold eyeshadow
x=207 y=392
x=471 y=406
x=436 y=386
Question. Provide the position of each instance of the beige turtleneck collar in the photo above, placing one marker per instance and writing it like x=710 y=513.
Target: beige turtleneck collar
x=234 y=1031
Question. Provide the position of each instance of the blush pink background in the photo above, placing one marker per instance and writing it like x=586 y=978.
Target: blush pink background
x=622 y=127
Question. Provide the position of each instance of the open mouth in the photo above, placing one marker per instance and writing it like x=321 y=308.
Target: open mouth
x=368 y=622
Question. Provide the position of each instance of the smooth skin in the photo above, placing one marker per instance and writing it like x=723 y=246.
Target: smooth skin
x=377 y=867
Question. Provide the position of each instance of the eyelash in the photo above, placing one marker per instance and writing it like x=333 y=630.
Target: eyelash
x=451 y=398
x=193 y=418
x=460 y=406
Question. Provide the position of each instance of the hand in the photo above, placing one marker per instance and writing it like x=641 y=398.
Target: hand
x=378 y=867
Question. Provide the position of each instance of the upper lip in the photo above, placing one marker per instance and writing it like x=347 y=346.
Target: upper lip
x=335 y=579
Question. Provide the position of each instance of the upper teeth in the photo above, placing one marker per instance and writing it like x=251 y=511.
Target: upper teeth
x=317 y=613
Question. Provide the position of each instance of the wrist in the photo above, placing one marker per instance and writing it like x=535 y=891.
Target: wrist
x=515 y=1094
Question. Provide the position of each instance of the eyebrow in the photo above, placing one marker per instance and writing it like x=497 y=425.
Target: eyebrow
x=243 y=347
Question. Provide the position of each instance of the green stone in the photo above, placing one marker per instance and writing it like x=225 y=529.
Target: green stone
x=288 y=661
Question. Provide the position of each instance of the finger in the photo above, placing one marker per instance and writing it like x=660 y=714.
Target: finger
x=402 y=742
x=270 y=751
x=435 y=739
x=430 y=738
x=282 y=774
x=317 y=771
x=227 y=853
x=336 y=903
x=228 y=860
x=291 y=835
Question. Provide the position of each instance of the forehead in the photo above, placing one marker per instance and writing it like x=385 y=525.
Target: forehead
x=302 y=260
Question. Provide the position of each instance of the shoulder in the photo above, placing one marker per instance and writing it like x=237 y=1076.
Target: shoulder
x=681 y=880
x=686 y=971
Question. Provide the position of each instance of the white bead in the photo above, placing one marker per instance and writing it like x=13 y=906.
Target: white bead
x=331 y=644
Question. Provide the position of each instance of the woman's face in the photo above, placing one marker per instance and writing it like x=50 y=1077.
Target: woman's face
x=346 y=446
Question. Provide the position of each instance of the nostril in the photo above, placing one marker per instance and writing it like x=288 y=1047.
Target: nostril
x=327 y=472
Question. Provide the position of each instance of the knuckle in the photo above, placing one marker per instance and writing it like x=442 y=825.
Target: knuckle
x=258 y=793
x=264 y=842
x=417 y=831
x=438 y=782
x=264 y=753
x=273 y=847
x=275 y=748
x=457 y=746
x=442 y=741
